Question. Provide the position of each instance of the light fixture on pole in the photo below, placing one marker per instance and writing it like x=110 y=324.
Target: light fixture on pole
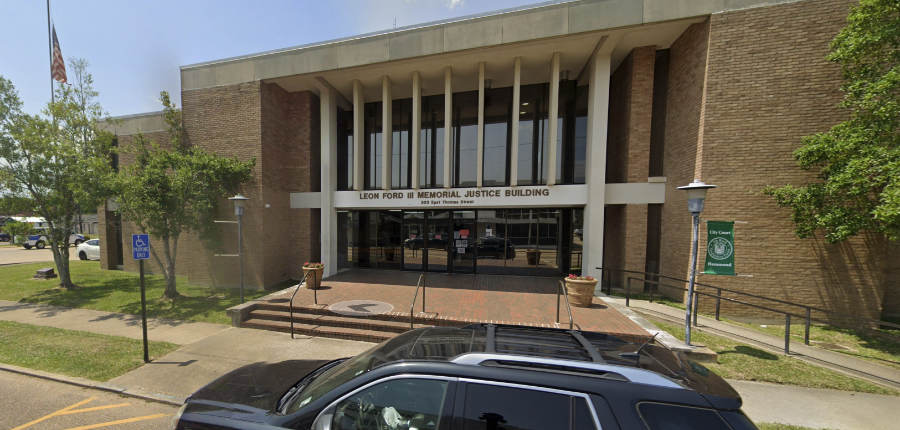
x=696 y=193
x=239 y=202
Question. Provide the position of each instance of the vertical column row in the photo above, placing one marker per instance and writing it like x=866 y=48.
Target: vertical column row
x=552 y=118
x=387 y=133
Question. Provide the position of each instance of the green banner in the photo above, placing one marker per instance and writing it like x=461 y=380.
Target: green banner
x=719 y=248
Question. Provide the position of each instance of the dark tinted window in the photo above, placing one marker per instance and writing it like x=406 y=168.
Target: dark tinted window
x=581 y=415
x=489 y=407
x=659 y=416
x=401 y=403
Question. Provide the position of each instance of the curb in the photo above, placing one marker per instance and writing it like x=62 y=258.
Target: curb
x=95 y=385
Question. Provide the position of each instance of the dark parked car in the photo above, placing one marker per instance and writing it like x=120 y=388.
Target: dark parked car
x=4 y=237
x=481 y=376
x=496 y=247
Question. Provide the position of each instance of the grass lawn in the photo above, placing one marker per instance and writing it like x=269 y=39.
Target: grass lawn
x=778 y=426
x=118 y=291
x=74 y=353
x=741 y=361
x=877 y=346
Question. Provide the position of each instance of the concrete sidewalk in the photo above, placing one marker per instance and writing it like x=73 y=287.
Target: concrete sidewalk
x=857 y=367
x=817 y=408
x=111 y=323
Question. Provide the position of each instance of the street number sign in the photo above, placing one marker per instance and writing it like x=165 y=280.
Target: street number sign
x=140 y=246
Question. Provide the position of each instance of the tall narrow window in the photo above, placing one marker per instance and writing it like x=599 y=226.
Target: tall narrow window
x=373 y=146
x=497 y=111
x=401 y=146
x=533 y=151
x=431 y=142
x=464 y=148
x=344 y=150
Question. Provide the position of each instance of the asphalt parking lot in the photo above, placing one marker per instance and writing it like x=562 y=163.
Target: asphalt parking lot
x=17 y=254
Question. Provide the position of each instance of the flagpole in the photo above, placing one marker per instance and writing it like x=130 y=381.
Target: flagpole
x=50 y=46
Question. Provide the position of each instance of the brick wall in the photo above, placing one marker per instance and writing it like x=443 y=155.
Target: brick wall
x=630 y=112
x=767 y=85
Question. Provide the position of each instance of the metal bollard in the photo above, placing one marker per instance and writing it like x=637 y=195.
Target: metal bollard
x=787 y=334
x=718 y=301
x=806 y=330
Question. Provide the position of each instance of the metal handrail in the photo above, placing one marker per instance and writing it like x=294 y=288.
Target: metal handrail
x=291 y=303
x=562 y=287
x=807 y=308
x=419 y=284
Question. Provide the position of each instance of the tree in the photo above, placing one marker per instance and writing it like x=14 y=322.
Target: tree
x=58 y=161
x=17 y=231
x=858 y=160
x=176 y=190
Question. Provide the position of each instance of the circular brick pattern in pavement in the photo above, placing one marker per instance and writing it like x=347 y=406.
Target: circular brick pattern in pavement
x=361 y=308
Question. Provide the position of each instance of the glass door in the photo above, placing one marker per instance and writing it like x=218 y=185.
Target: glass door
x=438 y=237
x=462 y=247
x=414 y=240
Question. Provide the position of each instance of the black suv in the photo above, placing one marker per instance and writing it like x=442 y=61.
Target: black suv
x=477 y=377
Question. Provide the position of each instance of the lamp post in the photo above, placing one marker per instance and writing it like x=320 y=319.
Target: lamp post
x=239 y=202
x=696 y=192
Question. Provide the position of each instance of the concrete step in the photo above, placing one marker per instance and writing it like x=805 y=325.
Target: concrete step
x=431 y=319
x=333 y=320
x=348 y=333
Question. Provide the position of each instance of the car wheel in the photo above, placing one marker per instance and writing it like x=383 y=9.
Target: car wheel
x=78 y=242
x=27 y=246
x=40 y=244
x=82 y=256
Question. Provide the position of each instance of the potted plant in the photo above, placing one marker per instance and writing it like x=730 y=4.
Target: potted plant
x=580 y=290
x=315 y=280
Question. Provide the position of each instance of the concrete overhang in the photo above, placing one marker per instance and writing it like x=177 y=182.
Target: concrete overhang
x=533 y=33
x=133 y=124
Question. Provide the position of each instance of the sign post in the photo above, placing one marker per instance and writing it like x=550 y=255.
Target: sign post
x=140 y=249
x=719 y=248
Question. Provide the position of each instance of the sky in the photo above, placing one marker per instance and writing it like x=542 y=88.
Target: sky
x=135 y=47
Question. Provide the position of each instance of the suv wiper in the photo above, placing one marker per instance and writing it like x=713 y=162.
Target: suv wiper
x=636 y=354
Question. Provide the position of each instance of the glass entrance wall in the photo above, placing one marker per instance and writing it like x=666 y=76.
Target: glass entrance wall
x=533 y=242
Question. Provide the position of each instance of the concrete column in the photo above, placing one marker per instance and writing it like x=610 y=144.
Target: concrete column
x=552 y=118
x=598 y=117
x=328 y=155
x=448 y=123
x=416 y=127
x=514 y=135
x=358 y=150
x=387 y=133
x=479 y=169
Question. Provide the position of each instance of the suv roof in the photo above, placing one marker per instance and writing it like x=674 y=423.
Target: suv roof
x=557 y=350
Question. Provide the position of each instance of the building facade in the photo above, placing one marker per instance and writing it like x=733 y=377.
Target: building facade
x=539 y=141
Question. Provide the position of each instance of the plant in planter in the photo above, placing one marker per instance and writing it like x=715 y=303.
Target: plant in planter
x=314 y=281
x=580 y=289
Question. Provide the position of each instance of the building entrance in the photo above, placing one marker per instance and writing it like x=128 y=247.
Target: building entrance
x=538 y=242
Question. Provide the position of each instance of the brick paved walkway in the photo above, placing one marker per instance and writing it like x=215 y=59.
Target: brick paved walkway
x=501 y=299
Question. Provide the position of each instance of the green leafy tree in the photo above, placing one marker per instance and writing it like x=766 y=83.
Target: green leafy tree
x=858 y=160
x=58 y=161
x=170 y=191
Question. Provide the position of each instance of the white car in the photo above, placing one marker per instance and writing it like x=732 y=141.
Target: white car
x=89 y=250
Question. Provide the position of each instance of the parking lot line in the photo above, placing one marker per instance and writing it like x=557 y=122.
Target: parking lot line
x=117 y=422
x=53 y=414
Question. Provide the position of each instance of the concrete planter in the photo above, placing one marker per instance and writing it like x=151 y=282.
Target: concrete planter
x=314 y=281
x=533 y=256
x=581 y=292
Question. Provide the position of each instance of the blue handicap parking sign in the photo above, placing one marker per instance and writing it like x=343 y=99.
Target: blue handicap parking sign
x=140 y=246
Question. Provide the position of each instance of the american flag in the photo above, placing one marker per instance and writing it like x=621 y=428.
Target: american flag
x=58 y=67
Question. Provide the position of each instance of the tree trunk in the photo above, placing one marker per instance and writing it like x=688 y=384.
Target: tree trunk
x=169 y=270
x=61 y=258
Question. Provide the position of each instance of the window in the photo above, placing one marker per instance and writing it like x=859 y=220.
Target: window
x=400 y=403
x=344 y=150
x=464 y=147
x=431 y=143
x=401 y=146
x=373 y=146
x=661 y=416
x=497 y=104
x=489 y=407
x=533 y=150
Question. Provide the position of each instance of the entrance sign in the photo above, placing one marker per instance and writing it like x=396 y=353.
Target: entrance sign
x=486 y=197
x=719 y=248
x=140 y=246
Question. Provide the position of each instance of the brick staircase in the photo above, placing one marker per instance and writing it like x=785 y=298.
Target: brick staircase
x=319 y=321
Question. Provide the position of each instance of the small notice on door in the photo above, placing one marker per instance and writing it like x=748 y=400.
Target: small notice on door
x=460 y=250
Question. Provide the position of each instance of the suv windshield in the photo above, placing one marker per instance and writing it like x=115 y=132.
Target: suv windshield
x=352 y=368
